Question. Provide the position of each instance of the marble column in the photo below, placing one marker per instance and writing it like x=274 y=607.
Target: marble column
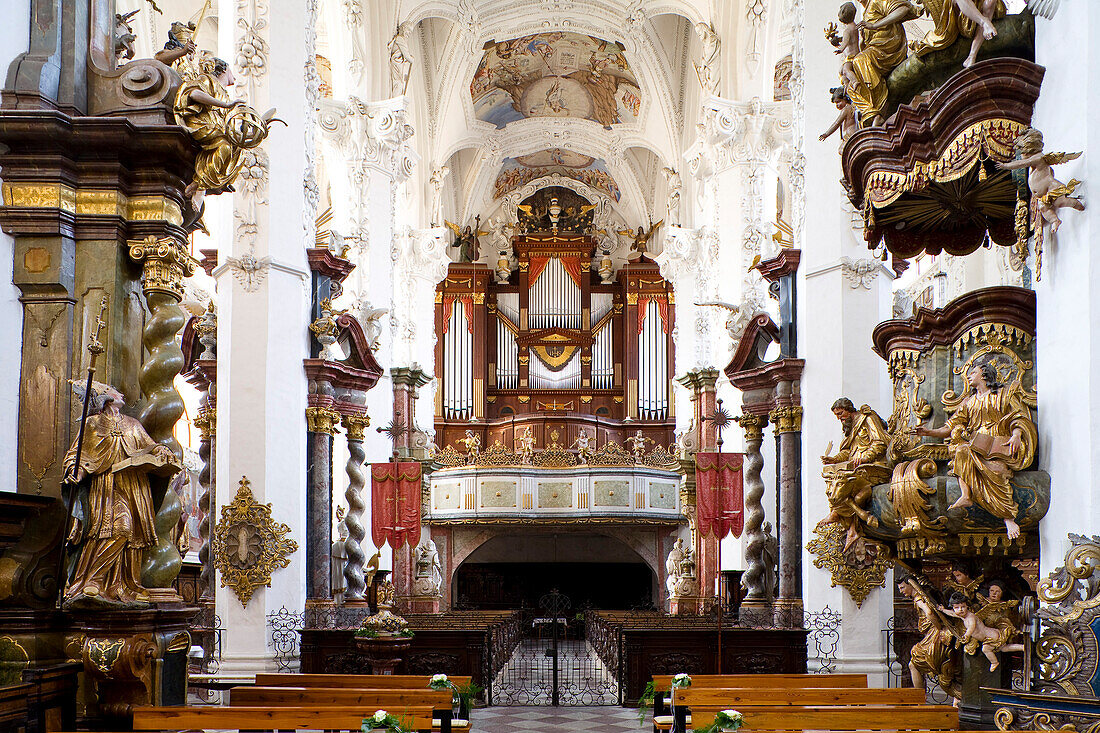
x=754 y=580
x=356 y=426
x=788 y=426
x=321 y=423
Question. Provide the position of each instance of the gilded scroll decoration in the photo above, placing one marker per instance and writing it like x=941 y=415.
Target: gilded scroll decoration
x=249 y=545
x=859 y=566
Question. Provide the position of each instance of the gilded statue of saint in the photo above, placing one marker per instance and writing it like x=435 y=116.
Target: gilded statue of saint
x=883 y=49
x=859 y=465
x=115 y=526
x=991 y=436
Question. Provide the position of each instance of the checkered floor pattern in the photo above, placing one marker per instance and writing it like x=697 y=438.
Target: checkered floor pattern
x=606 y=719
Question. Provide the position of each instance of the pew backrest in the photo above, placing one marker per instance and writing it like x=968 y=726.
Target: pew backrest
x=360 y=681
x=314 y=696
x=662 y=682
x=837 y=718
x=741 y=697
x=327 y=718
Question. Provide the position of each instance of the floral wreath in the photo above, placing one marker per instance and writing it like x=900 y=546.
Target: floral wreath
x=384 y=721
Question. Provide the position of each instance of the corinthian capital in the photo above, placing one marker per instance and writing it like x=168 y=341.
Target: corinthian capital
x=374 y=133
x=739 y=133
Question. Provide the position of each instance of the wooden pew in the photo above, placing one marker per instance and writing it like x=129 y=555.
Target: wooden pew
x=398 y=699
x=362 y=682
x=732 y=698
x=663 y=682
x=328 y=718
x=838 y=718
x=358 y=681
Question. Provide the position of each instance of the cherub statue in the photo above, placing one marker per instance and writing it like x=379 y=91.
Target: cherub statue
x=846 y=120
x=472 y=444
x=467 y=239
x=637 y=444
x=582 y=444
x=640 y=239
x=223 y=128
x=113 y=521
x=847 y=42
x=962 y=579
x=1048 y=194
x=976 y=634
x=991 y=436
x=526 y=443
x=370 y=318
x=737 y=319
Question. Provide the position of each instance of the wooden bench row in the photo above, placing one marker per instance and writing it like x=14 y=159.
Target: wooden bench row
x=327 y=717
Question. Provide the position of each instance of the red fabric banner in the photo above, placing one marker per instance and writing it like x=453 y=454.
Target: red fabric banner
x=662 y=310
x=719 y=493
x=395 y=503
x=572 y=266
x=448 y=308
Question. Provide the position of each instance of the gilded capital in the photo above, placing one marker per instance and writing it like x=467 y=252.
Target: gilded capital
x=355 y=425
x=322 y=420
x=206 y=420
x=787 y=419
x=165 y=264
x=753 y=425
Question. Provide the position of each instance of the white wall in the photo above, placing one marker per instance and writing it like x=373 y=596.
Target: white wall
x=14 y=39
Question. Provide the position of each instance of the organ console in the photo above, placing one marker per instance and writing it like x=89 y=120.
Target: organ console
x=554 y=348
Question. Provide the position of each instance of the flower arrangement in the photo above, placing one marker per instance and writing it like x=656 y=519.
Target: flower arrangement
x=381 y=720
x=375 y=634
x=681 y=680
x=464 y=696
x=725 y=720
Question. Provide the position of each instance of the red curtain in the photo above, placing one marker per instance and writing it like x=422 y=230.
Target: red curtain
x=467 y=305
x=572 y=266
x=538 y=264
x=719 y=493
x=662 y=309
x=395 y=503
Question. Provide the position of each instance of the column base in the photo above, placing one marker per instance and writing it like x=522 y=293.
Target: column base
x=424 y=604
x=687 y=605
x=756 y=612
x=788 y=613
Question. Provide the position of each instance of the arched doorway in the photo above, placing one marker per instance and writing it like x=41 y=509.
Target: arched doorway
x=513 y=570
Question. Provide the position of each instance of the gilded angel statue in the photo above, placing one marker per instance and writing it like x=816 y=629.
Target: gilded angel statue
x=1048 y=194
x=467 y=240
x=640 y=238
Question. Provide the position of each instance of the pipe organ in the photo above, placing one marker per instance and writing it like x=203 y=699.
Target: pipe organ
x=554 y=349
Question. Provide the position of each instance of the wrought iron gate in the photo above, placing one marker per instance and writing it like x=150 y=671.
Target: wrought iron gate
x=553 y=669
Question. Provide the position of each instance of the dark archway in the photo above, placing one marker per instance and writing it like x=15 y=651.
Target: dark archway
x=514 y=570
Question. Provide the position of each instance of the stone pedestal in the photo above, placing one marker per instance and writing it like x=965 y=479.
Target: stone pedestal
x=383 y=653
x=425 y=604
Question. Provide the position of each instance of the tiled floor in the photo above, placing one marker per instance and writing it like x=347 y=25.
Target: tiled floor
x=608 y=719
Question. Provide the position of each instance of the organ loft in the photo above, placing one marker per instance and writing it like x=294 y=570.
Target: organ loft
x=435 y=365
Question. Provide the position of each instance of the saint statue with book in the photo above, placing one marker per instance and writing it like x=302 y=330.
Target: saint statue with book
x=113 y=523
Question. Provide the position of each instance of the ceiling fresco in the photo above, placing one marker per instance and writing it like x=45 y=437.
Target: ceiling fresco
x=521 y=170
x=555 y=75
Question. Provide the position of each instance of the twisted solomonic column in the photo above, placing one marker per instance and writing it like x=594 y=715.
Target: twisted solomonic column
x=754 y=580
x=206 y=422
x=165 y=263
x=355 y=425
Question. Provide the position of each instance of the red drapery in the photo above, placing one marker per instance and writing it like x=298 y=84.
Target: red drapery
x=467 y=305
x=719 y=493
x=662 y=309
x=395 y=503
x=572 y=266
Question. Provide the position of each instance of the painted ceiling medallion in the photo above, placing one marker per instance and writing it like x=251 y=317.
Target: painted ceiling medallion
x=248 y=545
x=555 y=75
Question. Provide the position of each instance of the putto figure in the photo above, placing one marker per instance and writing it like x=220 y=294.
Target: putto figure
x=847 y=41
x=114 y=525
x=1048 y=194
x=224 y=128
x=991 y=436
x=855 y=469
